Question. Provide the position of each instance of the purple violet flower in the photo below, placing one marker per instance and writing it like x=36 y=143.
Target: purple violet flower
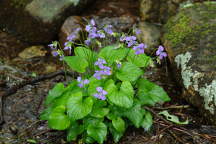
x=52 y=46
x=119 y=65
x=108 y=29
x=68 y=46
x=100 y=34
x=100 y=93
x=130 y=40
x=93 y=35
x=122 y=38
x=139 y=49
x=81 y=82
x=137 y=31
x=55 y=53
x=88 y=42
x=104 y=70
x=88 y=28
x=160 y=52
x=100 y=61
x=92 y=22
x=131 y=43
x=73 y=35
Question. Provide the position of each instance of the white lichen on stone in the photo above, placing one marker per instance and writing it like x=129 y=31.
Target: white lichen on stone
x=209 y=94
x=191 y=78
x=186 y=72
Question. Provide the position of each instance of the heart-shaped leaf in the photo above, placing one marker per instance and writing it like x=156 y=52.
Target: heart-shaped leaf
x=113 y=53
x=77 y=63
x=135 y=114
x=119 y=124
x=129 y=72
x=97 y=131
x=58 y=120
x=74 y=130
x=79 y=107
x=122 y=97
x=147 y=121
x=141 y=60
x=54 y=93
x=150 y=93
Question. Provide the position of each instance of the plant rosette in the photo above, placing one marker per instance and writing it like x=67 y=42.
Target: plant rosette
x=110 y=93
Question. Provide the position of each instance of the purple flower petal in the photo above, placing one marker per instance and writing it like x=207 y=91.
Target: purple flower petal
x=55 y=53
x=138 y=31
x=79 y=79
x=88 y=28
x=99 y=89
x=92 y=22
x=88 y=42
x=104 y=92
x=86 y=81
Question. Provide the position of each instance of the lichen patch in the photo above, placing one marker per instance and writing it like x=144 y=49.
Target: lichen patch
x=209 y=94
x=191 y=78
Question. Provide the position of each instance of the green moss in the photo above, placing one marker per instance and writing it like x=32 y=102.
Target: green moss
x=20 y=3
x=181 y=27
x=178 y=30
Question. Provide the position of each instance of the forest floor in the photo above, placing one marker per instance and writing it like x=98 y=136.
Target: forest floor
x=24 y=84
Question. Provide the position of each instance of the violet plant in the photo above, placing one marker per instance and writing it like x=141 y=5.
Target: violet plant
x=110 y=93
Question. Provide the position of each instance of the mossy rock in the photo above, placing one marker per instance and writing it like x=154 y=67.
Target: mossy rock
x=190 y=40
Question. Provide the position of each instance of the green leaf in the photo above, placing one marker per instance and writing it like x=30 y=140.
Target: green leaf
x=98 y=132
x=129 y=72
x=99 y=111
x=91 y=121
x=135 y=114
x=116 y=135
x=113 y=53
x=93 y=84
x=86 y=53
x=54 y=93
x=45 y=114
x=172 y=118
x=78 y=107
x=77 y=63
x=58 y=120
x=74 y=130
x=119 y=124
x=110 y=86
x=122 y=97
x=150 y=93
x=141 y=60
x=147 y=121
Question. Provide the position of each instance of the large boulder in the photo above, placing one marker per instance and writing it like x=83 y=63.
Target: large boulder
x=161 y=10
x=37 y=21
x=190 y=40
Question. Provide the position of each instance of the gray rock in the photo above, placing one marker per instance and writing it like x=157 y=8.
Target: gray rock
x=120 y=24
x=158 y=10
x=150 y=35
x=37 y=21
x=190 y=42
x=69 y=26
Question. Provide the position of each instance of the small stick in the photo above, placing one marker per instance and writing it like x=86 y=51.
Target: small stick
x=173 y=107
x=14 y=89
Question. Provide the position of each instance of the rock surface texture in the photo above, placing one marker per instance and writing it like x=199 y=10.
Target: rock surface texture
x=37 y=21
x=190 y=42
x=162 y=10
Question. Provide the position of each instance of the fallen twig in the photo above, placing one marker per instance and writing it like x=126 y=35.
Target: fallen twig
x=14 y=89
x=173 y=107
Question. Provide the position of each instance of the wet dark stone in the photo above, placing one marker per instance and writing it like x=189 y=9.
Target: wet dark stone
x=37 y=21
